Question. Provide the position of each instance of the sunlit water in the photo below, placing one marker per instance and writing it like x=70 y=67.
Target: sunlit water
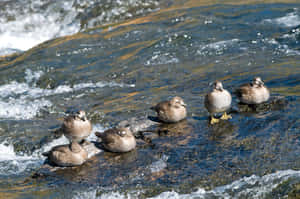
x=136 y=54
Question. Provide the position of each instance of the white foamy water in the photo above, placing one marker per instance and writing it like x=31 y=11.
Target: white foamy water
x=22 y=108
x=7 y=152
x=27 y=23
x=16 y=88
x=96 y=128
x=255 y=187
x=159 y=165
x=11 y=163
x=159 y=58
x=290 y=20
x=92 y=194
x=282 y=47
x=217 y=48
x=24 y=100
x=30 y=25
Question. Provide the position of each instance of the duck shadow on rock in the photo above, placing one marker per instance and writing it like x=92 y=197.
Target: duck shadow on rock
x=174 y=129
x=120 y=158
x=167 y=129
x=168 y=135
x=273 y=104
x=80 y=173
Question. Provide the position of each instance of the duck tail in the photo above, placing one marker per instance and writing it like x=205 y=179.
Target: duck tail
x=98 y=134
x=46 y=154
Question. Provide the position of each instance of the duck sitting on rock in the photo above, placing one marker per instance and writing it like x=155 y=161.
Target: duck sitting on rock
x=171 y=111
x=218 y=101
x=68 y=155
x=117 y=140
x=253 y=93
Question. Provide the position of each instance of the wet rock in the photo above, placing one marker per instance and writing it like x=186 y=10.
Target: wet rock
x=46 y=82
x=295 y=192
x=289 y=188
x=96 y=116
x=137 y=125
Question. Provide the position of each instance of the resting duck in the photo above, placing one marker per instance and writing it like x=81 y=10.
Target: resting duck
x=253 y=93
x=171 y=111
x=67 y=155
x=117 y=140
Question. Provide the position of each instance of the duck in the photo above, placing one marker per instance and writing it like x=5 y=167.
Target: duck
x=253 y=93
x=171 y=111
x=218 y=101
x=118 y=140
x=76 y=127
x=67 y=155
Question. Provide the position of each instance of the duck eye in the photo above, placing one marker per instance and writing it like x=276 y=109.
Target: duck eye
x=121 y=133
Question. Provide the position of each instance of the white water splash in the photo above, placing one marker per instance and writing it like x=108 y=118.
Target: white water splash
x=16 y=88
x=7 y=152
x=11 y=163
x=31 y=25
x=92 y=194
x=255 y=187
x=25 y=100
x=22 y=108
x=290 y=20
x=282 y=47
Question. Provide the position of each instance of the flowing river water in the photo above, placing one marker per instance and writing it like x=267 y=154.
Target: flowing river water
x=115 y=59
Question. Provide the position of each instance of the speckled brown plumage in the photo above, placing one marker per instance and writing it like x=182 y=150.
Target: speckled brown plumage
x=117 y=139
